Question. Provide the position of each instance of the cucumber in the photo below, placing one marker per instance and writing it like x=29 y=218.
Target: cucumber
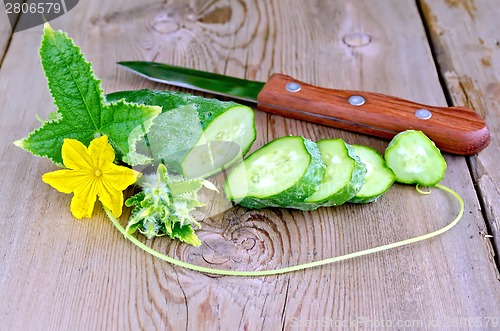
x=378 y=179
x=282 y=173
x=194 y=136
x=344 y=175
x=223 y=142
x=415 y=159
x=170 y=139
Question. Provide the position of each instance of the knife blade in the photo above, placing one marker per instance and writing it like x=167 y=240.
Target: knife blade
x=457 y=130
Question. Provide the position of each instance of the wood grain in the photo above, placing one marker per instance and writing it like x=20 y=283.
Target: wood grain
x=469 y=59
x=457 y=130
x=60 y=273
x=5 y=34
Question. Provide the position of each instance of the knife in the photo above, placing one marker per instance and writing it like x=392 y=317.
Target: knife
x=456 y=130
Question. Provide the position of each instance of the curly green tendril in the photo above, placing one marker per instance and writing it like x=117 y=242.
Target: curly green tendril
x=299 y=267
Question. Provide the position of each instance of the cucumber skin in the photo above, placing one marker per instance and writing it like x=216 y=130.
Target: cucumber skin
x=348 y=191
x=295 y=195
x=208 y=109
x=360 y=199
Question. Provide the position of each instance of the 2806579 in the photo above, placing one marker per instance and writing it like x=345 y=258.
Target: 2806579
x=35 y=8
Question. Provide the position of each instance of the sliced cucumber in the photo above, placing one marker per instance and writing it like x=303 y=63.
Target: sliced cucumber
x=194 y=136
x=282 y=173
x=415 y=159
x=344 y=175
x=220 y=145
x=378 y=179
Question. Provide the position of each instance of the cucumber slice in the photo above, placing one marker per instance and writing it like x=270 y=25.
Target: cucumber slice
x=344 y=175
x=378 y=179
x=194 y=136
x=220 y=145
x=282 y=173
x=415 y=159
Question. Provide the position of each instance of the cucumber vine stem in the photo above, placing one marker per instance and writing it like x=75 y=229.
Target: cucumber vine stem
x=417 y=188
x=257 y=273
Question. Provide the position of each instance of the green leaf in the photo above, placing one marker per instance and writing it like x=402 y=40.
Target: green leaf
x=82 y=111
x=185 y=186
x=125 y=124
x=186 y=234
x=164 y=206
x=172 y=135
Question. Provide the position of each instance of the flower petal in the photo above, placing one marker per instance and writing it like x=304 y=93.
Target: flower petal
x=93 y=174
x=75 y=155
x=83 y=201
x=101 y=152
x=119 y=177
x=110 y=197
x=66 y=181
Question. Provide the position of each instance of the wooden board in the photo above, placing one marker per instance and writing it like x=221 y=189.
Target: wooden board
x=469 y=59
x=5 y=34
x=58 y=272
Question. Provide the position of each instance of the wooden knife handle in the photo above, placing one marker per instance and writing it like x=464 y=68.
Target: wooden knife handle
x=456 y=130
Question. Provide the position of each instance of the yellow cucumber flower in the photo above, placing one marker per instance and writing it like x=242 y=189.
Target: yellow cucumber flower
x=91 y=172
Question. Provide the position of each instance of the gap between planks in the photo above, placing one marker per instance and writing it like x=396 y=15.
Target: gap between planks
x=449 y=100
x=9 y=40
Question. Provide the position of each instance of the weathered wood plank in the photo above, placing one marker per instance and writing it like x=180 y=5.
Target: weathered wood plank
x=469 y=59
x=62 y=273
x=5 y=33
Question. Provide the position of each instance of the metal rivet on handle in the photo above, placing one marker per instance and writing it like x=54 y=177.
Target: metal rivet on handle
x=356 y=100
x=293 y=87
x=423 y=114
